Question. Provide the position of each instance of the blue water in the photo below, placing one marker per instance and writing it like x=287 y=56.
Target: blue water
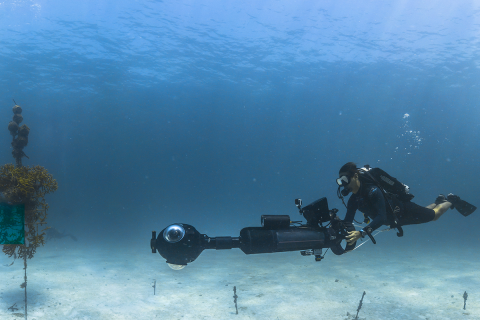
x=214 y=113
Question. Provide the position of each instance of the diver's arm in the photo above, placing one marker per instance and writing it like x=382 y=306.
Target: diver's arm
x=378 y=202
x=349 y=216
x=351 y=209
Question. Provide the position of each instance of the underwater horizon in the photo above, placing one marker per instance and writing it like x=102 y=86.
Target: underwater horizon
x=214 y=113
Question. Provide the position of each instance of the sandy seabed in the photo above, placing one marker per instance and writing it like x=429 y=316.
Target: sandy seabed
x=69 y=281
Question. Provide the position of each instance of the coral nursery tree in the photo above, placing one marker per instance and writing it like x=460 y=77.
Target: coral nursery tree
x=25 y=187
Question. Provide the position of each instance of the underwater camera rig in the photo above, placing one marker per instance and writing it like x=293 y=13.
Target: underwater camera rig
x=181 y=243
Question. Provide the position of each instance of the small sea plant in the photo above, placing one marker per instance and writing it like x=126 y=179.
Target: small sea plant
x=25 y=187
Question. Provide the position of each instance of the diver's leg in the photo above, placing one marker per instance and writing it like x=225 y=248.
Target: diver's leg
x=440 y=209
x=440 y=199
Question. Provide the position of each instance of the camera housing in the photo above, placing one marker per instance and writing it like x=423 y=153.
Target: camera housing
x=181 y=243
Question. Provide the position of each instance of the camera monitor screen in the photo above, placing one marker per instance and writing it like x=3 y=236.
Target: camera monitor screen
x=317 y=211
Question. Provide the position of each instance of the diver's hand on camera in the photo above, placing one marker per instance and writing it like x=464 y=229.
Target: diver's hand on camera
x=353 y=236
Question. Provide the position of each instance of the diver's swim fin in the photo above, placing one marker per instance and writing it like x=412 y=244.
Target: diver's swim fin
x=464 y=207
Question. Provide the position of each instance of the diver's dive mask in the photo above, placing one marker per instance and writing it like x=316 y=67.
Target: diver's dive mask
x=343 y=181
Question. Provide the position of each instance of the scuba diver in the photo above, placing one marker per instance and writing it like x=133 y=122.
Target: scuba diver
x=387 y=201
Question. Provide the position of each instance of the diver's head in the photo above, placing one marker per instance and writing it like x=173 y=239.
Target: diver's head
x=348 y=178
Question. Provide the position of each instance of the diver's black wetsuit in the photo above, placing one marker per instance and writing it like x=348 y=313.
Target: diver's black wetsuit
x=370 y=201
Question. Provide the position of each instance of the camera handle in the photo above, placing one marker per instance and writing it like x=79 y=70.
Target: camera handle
x=368 y=231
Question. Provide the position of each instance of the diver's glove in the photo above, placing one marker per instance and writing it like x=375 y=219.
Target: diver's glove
x=452 y=199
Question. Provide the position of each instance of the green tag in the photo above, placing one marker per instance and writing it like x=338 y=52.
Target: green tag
x=12 y=223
